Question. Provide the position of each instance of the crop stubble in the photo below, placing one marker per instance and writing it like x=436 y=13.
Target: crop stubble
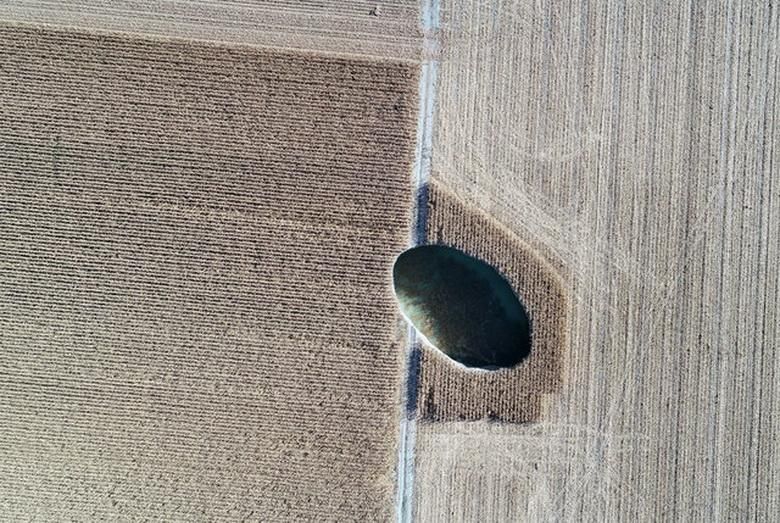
x=638 y=142
x=196 y=314
x=388 y=29
x=450 y=393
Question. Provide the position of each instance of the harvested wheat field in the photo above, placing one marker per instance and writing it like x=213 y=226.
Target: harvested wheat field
x=636 y=143
x=196 y=315
x=201 y=208
x=354 y=27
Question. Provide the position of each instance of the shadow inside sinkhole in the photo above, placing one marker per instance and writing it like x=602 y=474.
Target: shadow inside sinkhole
x=462 y=306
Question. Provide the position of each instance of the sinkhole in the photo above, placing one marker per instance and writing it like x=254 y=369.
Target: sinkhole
x=462 y=306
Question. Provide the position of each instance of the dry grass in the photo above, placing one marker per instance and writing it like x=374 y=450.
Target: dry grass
x=196 y=314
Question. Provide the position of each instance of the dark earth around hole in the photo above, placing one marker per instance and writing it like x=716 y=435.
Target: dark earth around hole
x=462 y=306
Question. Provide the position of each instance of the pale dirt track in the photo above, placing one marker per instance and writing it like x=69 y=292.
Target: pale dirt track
x=637 y=141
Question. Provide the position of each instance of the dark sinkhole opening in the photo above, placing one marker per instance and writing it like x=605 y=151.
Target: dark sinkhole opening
x=462 y=306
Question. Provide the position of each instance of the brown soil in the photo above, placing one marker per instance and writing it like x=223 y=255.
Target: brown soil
x=196 y=315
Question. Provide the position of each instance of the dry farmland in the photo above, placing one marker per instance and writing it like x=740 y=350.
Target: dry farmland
x=637 y=143
x=196 y=312
x=201 y=203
